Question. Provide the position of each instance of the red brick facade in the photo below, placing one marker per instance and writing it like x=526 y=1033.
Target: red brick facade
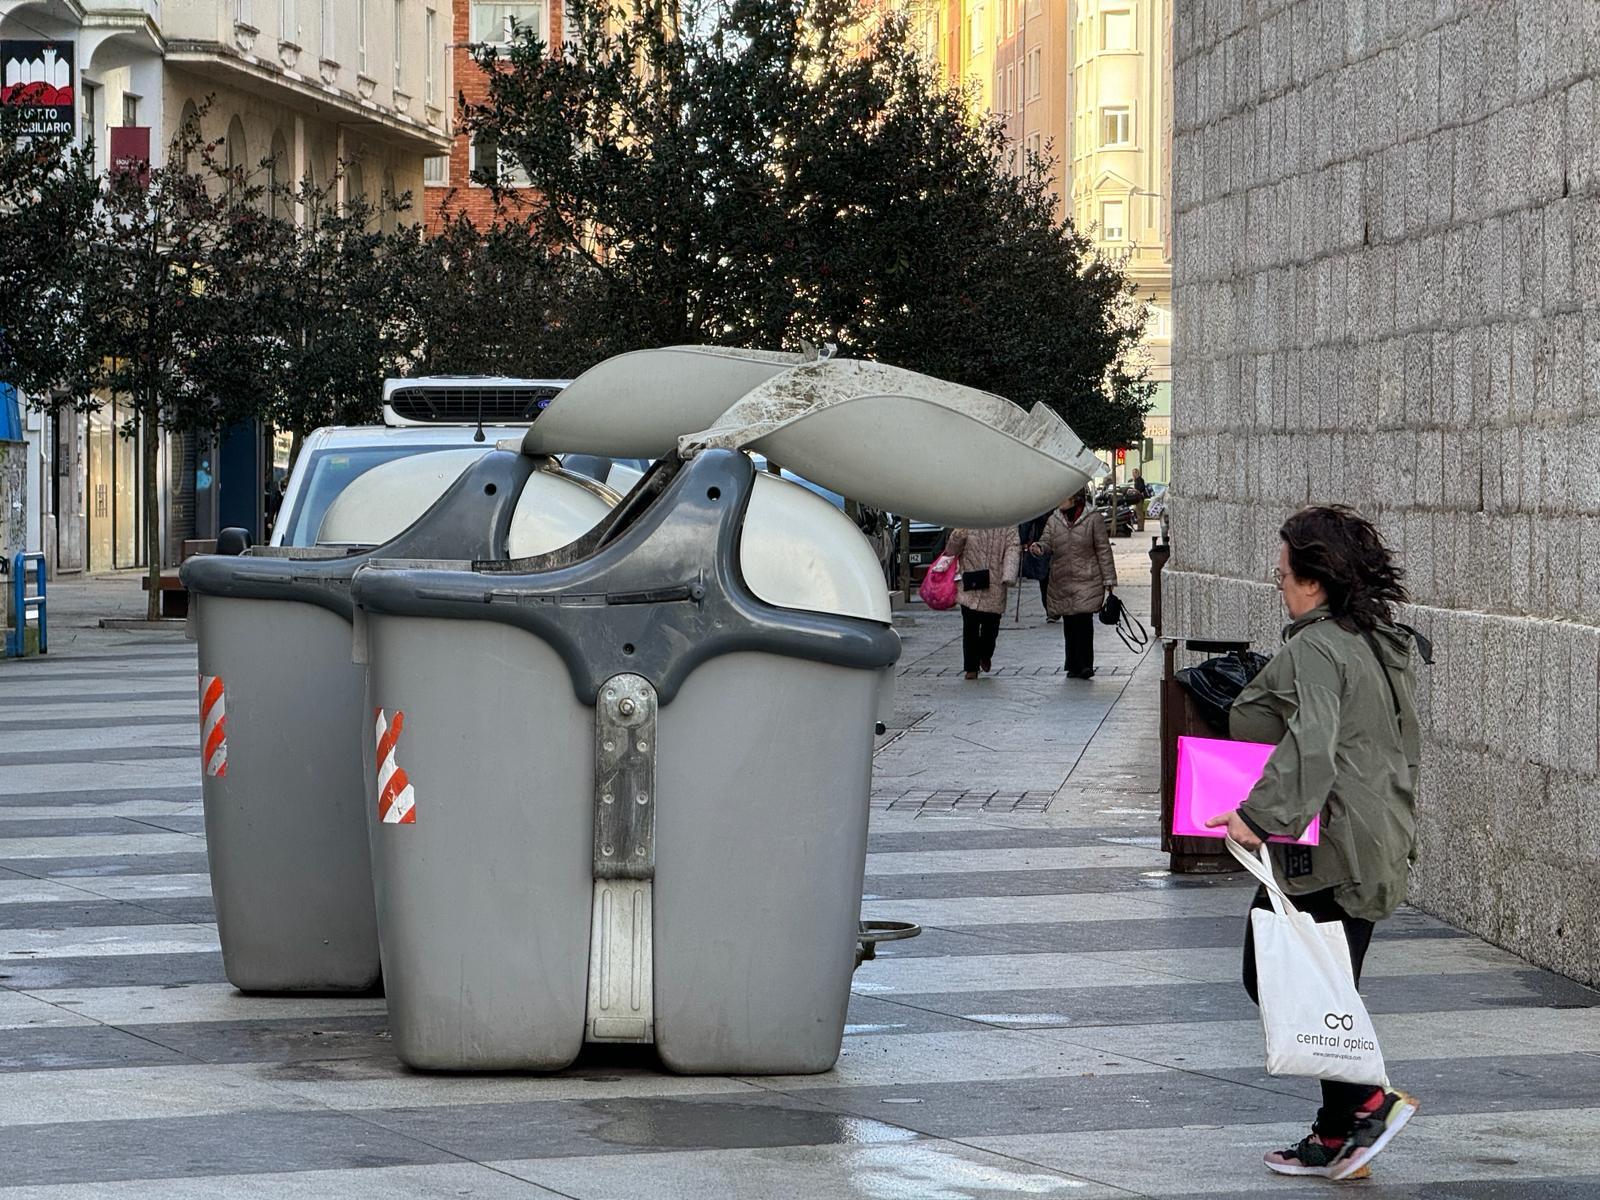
x=460 y=195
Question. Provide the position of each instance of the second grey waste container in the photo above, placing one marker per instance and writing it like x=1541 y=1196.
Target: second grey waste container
x=282 y=710
x=628 y=797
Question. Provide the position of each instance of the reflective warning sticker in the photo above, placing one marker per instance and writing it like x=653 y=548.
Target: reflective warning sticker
x=397 y=801
x=213 y=726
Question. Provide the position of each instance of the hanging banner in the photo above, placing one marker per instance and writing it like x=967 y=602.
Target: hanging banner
x=130 y=152
x=38 y=77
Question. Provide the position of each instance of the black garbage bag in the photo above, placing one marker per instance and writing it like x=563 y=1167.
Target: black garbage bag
x=1216 y=683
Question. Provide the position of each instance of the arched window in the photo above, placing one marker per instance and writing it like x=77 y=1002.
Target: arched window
x=238 y=157
x=281 y=179
x=189 y=124
x=355 y=185
x=390 y=218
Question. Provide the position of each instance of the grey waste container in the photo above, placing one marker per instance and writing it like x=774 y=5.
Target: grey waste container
x=628 y=799
x=282 y=710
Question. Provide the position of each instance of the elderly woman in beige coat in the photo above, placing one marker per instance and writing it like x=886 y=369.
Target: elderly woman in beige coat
x=989 y=559
x=1082 y=575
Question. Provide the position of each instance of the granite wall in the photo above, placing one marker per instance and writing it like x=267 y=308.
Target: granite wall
x=1387 y=289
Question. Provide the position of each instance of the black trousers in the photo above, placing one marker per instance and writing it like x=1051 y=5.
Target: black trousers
x=1337 y=1116
x=979 y=631
x=1078 y=629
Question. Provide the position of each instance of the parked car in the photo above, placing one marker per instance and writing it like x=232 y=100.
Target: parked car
x=927 y=543
x=421 y=415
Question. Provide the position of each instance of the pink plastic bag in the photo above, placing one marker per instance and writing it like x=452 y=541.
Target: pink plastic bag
x=938 y=588
x=1214 y=776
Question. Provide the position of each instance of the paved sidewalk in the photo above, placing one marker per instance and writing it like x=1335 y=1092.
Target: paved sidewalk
x=1068 y=1025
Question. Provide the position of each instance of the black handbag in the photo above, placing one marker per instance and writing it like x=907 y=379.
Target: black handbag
x=975 y=581
x=1130 y=630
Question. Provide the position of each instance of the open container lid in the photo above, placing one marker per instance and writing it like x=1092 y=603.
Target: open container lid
x=637 y=405
x=906 y=442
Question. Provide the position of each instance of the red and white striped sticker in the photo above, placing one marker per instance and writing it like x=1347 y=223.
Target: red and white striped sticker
x=397 y=800
x=213 y=726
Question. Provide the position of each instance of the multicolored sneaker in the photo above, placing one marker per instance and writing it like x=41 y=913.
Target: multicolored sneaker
x=1313 y=1156
x=1376 y=1124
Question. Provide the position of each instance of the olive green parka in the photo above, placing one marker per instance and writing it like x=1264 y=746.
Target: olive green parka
x=1342 y=751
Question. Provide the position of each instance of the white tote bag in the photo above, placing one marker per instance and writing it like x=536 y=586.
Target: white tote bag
x=1312 y=1015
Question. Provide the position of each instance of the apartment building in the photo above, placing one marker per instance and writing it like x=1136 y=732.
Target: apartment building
x=451 y=189
x=310 y=83
x=1086 y=83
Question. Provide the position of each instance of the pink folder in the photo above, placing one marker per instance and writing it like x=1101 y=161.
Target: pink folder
x=1215 y=776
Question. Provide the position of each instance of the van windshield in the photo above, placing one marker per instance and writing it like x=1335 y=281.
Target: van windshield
x=328 y=473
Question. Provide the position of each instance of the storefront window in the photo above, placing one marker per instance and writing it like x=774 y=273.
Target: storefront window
x=115 y=533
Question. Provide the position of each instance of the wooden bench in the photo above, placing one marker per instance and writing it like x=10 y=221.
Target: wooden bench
x=174 y=601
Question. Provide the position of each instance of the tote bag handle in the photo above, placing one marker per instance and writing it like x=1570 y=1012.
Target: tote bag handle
x=1260 y=865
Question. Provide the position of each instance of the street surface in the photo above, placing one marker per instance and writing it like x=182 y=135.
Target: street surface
x=1069 y=1024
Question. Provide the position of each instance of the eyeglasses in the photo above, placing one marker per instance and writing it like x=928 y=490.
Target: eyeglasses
x=1278 y=577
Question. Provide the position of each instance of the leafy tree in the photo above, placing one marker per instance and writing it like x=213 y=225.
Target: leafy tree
x=758 y=172
x=330 y=322
x=172 y=270
x=48 y=193
x=499 y=301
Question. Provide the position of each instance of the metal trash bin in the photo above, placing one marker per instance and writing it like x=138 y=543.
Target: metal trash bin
x=633 y=795
x=621 y=789
x=282 y=709
x=283 y=704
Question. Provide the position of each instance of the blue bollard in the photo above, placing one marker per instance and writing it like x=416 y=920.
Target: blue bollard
x=21 y=603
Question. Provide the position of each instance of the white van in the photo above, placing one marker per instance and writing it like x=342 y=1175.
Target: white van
x=442 y=412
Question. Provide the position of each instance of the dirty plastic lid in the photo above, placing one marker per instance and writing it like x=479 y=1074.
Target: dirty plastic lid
x=636 y=405
x=908 y=443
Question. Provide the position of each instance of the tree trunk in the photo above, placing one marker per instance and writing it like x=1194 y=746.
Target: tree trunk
x=150 y=418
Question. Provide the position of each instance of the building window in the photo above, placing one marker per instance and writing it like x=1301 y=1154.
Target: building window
x=436 y=170
x=399 y=44
x=1010 y=94
x=976 y=33
x=241 y=12
x=495 y=23
x=429 y=92
x=1116 y=30
x=330 y=44
x=1035 y=58
x=279 y=183
x=1160 y=323
x=86 y=126
x=130 y=109
x=1035 y=146
x=1116 y=126
x=361 y=35
x=1113 y=221
x=288 y=27
x=489 y=165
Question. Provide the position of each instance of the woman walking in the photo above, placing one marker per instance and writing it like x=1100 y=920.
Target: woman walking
x=988 y=563
x=1337 y=703
x=1082 y=575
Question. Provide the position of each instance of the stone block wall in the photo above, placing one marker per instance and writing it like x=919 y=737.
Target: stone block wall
x=1387 y=292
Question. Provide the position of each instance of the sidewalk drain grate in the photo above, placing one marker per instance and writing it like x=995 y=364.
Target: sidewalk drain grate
x=976 y=801
x=1010 y=672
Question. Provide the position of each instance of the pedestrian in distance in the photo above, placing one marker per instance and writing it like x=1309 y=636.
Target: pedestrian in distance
x=1140 y=497
x=1082 y=575
x=1337 y=701
x=1036 y=566
x=988 y=560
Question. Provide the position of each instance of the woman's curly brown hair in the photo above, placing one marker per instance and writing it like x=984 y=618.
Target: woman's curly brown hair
x=1340 y=549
